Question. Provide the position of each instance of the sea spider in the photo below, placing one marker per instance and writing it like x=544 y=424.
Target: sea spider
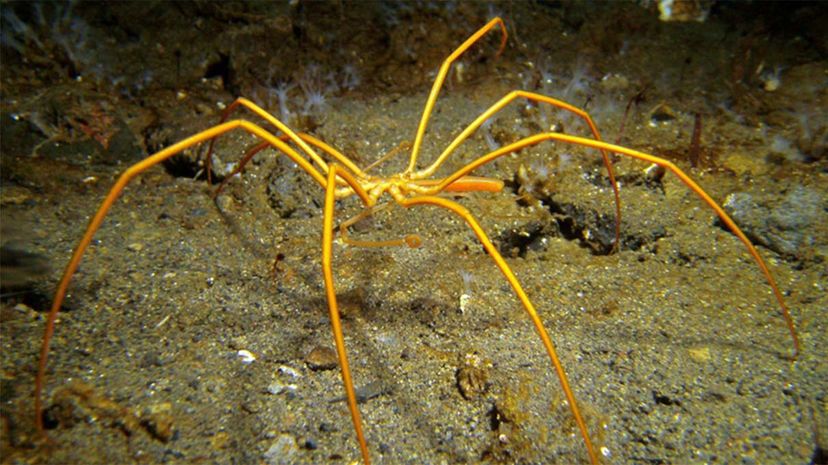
x=340 y=178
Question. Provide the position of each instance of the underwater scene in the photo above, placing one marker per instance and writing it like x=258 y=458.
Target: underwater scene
x=427 y=232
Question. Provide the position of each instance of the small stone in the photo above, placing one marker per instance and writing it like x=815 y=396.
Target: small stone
x=246 y=356
x=662 y=113
x=322 y=358
x=23 y=308
x=282 y=451
x=288 y=371
x=224 y=202
x=135 y=247
x=278 y=387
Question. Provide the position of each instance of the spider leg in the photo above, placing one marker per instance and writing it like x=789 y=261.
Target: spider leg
x=668 y=165
x=288 y=133
x=411 y=240
x=327 y=271
x=524 y=299
x=240 y=166
x=404 y=145
x=337 y=155
x=540 y=98
x=112 y=196
x=441 y=77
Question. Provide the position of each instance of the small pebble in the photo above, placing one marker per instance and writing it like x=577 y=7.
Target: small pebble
x=662 y=113
x=23 y=308
x=278 y=387
x=224 y=203
x=282 y=451
x=246 y=357
x=288 y=371
x=321 y=358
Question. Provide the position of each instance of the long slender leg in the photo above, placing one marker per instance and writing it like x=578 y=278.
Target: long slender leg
x=540 y=98
x=112 y=196
x=336 y=154
x=327 y=271
x=411 y=240
x=404 y=145
x=683 y=177
x=241 y=101
x=441 y=77
x=240 y=166
x=289 y=133
x=527 y=304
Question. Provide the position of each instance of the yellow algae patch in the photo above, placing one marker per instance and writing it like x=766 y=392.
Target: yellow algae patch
x=700 y=354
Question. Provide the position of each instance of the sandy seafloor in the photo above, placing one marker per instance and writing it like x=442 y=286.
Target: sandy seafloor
x=674 y=345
